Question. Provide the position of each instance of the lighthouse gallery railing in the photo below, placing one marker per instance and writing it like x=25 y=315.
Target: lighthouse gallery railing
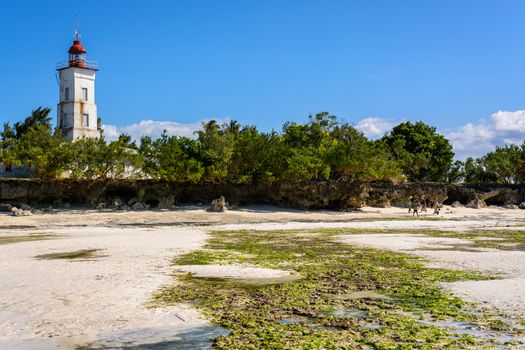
x=78 y=63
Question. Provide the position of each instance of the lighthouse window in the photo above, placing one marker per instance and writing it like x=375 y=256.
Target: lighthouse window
x=84 y=94
x=66 y=94
x=85 y=119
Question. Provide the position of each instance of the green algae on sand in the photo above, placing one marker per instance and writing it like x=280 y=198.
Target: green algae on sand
x=349 y=297
x=77 y=254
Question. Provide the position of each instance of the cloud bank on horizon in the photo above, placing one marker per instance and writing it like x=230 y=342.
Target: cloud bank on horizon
x=154 y=129
x=470 y=140
x=502 y=128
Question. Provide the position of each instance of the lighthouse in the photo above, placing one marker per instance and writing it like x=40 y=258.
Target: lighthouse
x=77 y=111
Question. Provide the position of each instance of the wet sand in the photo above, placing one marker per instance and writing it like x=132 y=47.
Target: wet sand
x=506 y=294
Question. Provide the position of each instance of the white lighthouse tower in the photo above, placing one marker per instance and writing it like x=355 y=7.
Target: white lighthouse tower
x=77 y=111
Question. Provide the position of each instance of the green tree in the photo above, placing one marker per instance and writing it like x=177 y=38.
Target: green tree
x=351 y=156
x=38 y=117
x=8 y=133
x=474 y=171
x=423 y=154
x=256 y=156
x=456 y=173
x=31 y=144
x=217 y=146
x=172 y=158
x=94 y=158
x=305 y=148
x=233 y=128
x=504 y=165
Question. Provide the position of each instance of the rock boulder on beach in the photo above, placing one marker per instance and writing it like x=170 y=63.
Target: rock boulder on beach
x=20 y=212
x=218 y=204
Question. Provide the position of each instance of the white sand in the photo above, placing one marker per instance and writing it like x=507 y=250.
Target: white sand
x=88 y=299
x=49 y=304
x=507 y=295
x=185 y=216
x=406 y=242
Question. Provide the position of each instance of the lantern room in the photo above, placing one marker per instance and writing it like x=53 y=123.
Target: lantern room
x=77 y=53
x=77 y=56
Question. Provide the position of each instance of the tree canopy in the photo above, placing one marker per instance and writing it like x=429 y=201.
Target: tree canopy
x=323 y=148
x=504 y=165
x=423 y=154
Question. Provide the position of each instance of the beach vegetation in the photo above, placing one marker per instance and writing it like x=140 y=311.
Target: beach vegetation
x=322 y=148
x=348 y=297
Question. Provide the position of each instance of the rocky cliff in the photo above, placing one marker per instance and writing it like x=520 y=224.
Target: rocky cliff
x=139 y=194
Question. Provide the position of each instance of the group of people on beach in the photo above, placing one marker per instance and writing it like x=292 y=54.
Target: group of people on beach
x=417 y=206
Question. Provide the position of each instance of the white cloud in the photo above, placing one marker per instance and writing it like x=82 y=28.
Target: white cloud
x=110 y=131
x=471 y=140
x=374 y=127
x=474 y=140
x=153 y=128
x=506 y=121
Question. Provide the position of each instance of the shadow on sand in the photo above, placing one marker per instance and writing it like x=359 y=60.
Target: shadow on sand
x=200 y=338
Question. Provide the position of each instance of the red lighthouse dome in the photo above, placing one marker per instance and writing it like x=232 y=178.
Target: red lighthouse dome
x=77 y=56
x=77 y=47
x=77 y=53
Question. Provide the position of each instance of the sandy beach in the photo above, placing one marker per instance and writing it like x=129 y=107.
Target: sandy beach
x=103 y=299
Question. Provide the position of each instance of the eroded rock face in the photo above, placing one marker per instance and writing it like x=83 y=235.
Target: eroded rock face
x=336 y=195
x=138 y=206
x=100 y=206
x=167 y=202
x=476 y=204
x=218 y=204
x=117 y=203
x=5 y=207
x=386 y=195
x=133 y=201
x=20 y=212
x=24 y=206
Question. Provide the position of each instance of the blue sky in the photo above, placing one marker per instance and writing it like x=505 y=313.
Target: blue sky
x=452 y=64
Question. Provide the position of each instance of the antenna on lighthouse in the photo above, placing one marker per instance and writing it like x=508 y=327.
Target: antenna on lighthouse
x=76 y=35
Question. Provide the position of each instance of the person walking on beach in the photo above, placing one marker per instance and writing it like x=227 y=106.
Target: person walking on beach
x=409 y=204
x=437 y=208
x=415 y=208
